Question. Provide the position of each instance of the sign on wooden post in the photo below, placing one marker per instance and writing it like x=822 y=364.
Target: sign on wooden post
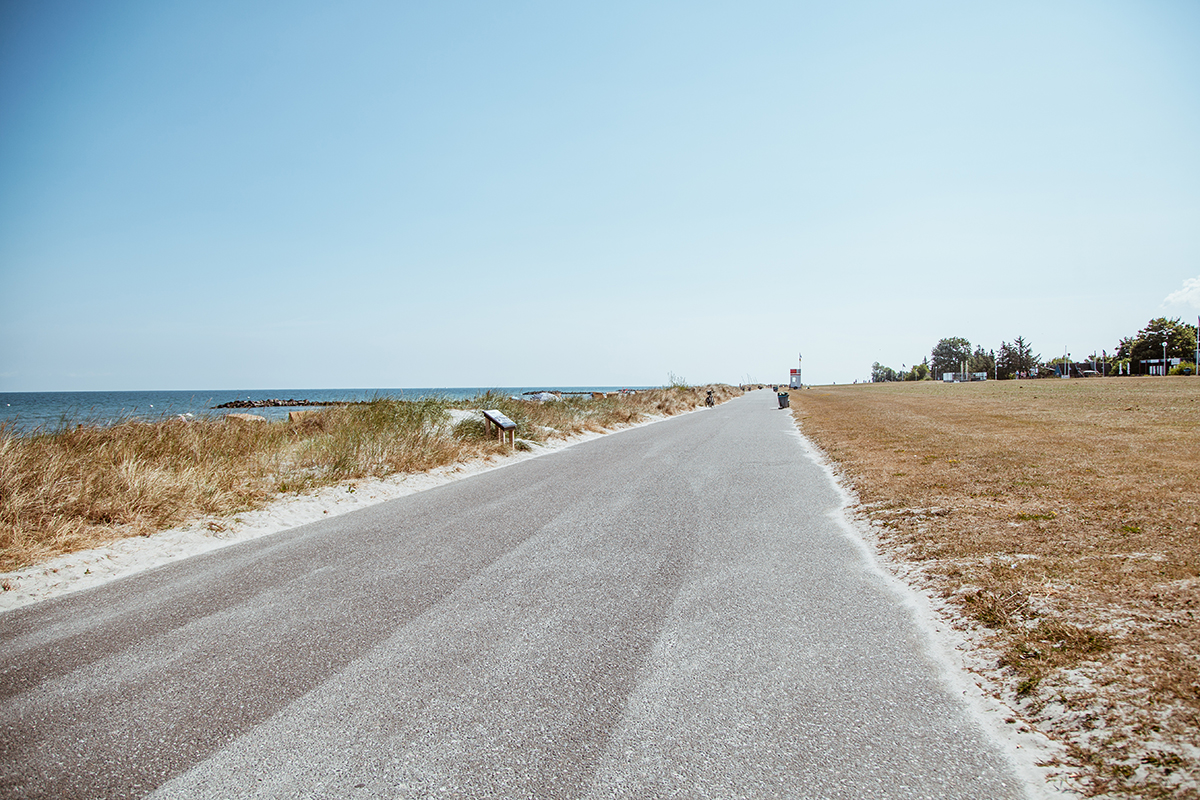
x=504 y=426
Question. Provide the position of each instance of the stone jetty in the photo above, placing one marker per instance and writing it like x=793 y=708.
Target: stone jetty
x=277 y=403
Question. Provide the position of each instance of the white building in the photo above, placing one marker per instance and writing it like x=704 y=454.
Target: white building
x=794 y=382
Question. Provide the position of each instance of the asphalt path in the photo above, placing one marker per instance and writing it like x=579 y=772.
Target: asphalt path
x=668 y=611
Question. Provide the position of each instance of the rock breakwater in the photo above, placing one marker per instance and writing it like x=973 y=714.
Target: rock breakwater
x=277 y=403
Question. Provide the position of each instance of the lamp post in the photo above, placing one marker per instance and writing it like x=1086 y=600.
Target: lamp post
x=1164 y=355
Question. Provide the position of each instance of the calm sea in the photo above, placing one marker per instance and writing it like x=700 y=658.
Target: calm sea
x=24 y=412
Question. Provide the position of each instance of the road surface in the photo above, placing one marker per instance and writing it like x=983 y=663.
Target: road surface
x=668 y=611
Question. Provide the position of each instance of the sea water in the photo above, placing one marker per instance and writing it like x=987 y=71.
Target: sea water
x=26 y=412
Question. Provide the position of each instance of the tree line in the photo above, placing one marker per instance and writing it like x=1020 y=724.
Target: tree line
x=1016 y=359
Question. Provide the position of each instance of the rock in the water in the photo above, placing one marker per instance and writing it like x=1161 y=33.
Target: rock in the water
x=275 y=402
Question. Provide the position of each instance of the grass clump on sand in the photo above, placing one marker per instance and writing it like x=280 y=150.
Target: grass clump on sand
x=1061 y=519
x=82 y=486
x=369 y=440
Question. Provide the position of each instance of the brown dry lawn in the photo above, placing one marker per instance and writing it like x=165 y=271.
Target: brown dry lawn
x=1059 y=520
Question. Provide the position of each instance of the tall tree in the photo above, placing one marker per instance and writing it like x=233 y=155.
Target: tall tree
x=880 y=373
x=982 y=361
x=1016 y=359
x=1148 y=343
x=948 y=355
x=1026 y=360
x=1006 y=362
x=917 y=372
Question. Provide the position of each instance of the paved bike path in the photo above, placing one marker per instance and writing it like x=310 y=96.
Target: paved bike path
x=666 y=611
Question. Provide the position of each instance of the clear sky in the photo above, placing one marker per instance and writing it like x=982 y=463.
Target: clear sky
x=205 y=195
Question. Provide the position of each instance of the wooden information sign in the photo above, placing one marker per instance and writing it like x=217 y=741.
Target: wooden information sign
x=503 y=425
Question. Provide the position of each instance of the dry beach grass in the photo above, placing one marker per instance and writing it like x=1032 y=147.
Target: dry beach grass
x=83 y=486
x=1059 y=521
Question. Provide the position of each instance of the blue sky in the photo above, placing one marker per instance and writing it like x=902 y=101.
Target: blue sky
x=275 y=195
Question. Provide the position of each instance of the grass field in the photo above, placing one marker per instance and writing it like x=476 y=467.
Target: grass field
x=1059 y=520
x=83 y=486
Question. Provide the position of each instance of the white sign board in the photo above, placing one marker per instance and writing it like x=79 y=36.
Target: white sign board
x=504 y=422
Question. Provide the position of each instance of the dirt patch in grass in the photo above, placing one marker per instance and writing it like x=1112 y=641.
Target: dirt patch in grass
x=1060 y=521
